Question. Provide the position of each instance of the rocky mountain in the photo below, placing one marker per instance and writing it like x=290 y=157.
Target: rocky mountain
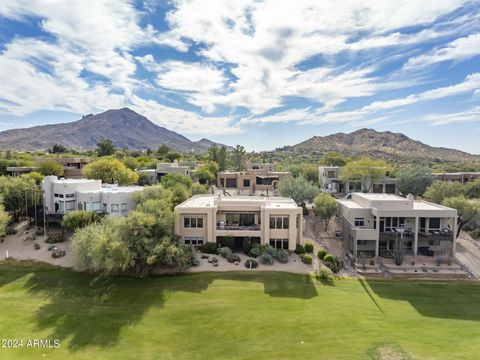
x=124 y=127
x=372 y=143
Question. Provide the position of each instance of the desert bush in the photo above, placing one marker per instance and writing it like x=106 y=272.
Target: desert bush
x=306 y=259
x=299 y=250
x=270 y=251
x=208 y=248
x=475 y=233
x=257 y=250
x=265 y=259
x=251 y=264
x=308 y=247
x=321 y=253
x=233 y=258
x=329 y=258
x=54 y=238
x=281 y=255
x=324 y=273
x=11 y=230
x=225 y=252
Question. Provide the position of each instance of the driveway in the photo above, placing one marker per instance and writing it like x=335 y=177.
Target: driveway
x=468 y=253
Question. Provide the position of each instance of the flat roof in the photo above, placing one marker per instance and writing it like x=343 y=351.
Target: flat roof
x=212 y=200
x=380 y=197
x=74 y=181
x=351 y=204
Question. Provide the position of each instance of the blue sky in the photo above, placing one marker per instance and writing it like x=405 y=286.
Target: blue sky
x=259 y=73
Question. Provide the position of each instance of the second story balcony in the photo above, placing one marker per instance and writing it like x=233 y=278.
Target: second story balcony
x=245 y=227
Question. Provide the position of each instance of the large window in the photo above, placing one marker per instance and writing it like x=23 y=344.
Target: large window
x=192 y=240
x=434 y=224
x=124 y=208
x=246 y=182
x=279 y=222
x=359 y=222
x=192 y=222
x=114 y=208
x=240 y=219
x=279 y=243
x=330 y=174
x=392 y=223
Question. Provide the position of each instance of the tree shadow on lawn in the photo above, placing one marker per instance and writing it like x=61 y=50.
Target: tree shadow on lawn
x=89 y=310
x=447 y=299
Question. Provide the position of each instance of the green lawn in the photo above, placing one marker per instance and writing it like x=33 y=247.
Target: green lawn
x=235 y=316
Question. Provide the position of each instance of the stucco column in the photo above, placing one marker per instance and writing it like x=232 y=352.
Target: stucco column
x=415 y=241
x=377 y=240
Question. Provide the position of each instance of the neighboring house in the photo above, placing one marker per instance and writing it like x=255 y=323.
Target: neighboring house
x=262 y=166
x=461 y=177
x=72 y=167
x=372 y=222
x=64 y=195
x=251 y=182
x=272 y=221
x=20 y=170
x=155 y=175
x=330 y=181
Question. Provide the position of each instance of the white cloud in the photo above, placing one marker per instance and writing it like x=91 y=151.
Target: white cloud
x=265 y=42
x=318 y=116
x=469 y=115
x=459 y=49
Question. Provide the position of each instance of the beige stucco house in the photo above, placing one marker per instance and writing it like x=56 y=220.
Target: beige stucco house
x=266 y=220
x=251 y=182
x=372 y=222
x=330 y=181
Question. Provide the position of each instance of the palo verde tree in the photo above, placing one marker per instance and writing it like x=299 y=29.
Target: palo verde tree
x=441 y=190
x=110 y=171
x=299 y=189
x=414 y=180
x=326 y=207
x=51 y=167
x=366 y=171
x=468 y=210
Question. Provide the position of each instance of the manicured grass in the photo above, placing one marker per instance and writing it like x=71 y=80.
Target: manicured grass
x=235 y=316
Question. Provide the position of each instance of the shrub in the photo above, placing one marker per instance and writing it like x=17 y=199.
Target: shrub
x=299 y=250
x=227 y=241
x=257 y=250
x=270 y=250
x=233 y=258
x=54 y=238
x=306 y=259
x=11 y=230
x=321 y=253
x=247 y=246
x=208 y=248
x=281 y=255
x=251 y=264
x=308 y=247
x=265 y=259
x=39 y=232
x=329 y=258
x=225 y=252
x=475 y=233
x=324 y=273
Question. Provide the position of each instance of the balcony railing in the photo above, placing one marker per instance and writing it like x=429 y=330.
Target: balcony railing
x=254 y=227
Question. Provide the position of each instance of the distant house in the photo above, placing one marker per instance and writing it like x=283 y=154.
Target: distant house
x=372 y=222
x=461 y=177
x=62 y=196
x=72 y=167
x=251 y=182
x=20 y=170
x=262 y=166
x=155 y=175
x=271 y=221
x=330 y=181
